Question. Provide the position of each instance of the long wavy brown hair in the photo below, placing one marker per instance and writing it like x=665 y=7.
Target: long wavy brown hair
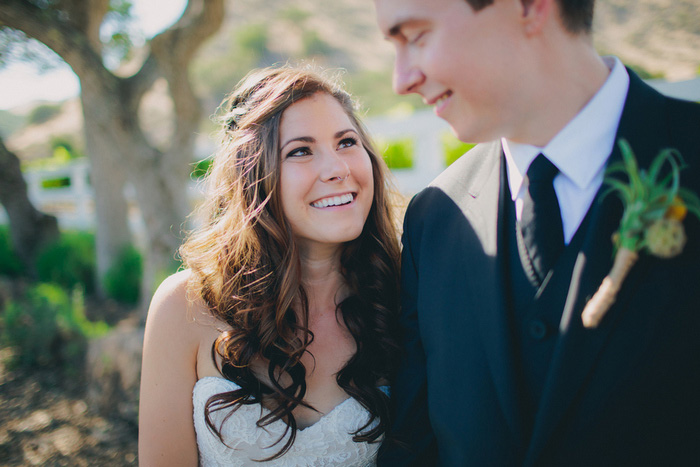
x=245 y=264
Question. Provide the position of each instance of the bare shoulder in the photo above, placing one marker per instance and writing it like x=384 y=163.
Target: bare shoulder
x=176 y=312
x=168 y=376
x=171 y=292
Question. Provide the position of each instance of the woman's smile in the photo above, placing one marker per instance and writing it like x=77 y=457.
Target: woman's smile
x=334 y=201
x=326 y=178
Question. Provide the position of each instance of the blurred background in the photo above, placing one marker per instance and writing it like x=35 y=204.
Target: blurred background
x=105 y=134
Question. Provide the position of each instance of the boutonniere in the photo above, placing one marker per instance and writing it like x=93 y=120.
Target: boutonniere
x=655 y=205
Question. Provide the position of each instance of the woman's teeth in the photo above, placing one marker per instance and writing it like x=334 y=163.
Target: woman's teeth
x=333 y=201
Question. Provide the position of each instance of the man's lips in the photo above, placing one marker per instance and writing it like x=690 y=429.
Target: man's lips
x=442 y=102
x=438 y=100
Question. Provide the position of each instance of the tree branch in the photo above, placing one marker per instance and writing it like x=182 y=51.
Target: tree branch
x=171 y=52
x=135 y=86
x=174 y=50
x=29 y=228
x=87 y=17
x=47 y=26
x=200 y=20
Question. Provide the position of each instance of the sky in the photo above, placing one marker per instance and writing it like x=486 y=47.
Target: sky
x=23 y=83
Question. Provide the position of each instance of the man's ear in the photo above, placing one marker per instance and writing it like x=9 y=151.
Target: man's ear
x=535 y=14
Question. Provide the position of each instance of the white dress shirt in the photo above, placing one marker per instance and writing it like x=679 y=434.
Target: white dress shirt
x=580 y=151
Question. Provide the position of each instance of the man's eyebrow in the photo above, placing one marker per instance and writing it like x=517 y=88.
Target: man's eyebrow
x=396 y=29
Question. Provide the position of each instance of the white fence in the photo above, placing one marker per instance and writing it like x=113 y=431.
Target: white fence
x=73 y=204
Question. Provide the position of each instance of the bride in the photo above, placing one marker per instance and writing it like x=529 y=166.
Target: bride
x=276 y=343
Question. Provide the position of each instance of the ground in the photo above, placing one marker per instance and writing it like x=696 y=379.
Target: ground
x=44 y=420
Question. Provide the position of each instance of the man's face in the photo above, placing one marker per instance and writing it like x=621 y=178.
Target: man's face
x=462 y=62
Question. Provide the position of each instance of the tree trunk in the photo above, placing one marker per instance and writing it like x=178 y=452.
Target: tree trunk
x=114 y=140
x=162 y=198
x=29 y=228
x=108 y=176
x=121 y=152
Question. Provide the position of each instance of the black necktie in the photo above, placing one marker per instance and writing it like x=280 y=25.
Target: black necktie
x=541 y=236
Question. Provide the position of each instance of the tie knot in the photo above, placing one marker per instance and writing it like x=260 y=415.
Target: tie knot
x=541 y=170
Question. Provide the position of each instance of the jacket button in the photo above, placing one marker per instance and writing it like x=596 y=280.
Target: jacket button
x=538 y=330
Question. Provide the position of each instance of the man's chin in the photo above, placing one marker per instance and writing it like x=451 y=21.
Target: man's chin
x=464 y=136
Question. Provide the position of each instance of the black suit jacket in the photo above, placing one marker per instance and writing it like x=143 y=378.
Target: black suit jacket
x=626 y=393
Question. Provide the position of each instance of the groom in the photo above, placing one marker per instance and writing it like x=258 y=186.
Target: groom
x=503 y=250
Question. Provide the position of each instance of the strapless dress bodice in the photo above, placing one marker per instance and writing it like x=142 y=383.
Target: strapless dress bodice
x=328 y=442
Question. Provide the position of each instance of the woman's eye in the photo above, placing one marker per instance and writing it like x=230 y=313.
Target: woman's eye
x=347 y=142
x=298 y=152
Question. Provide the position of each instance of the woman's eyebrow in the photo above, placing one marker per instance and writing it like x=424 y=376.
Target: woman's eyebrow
x=303 y=139
x=342 y=132
x=309 y=139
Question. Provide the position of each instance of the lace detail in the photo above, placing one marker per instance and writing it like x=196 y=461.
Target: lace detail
x=326 y=443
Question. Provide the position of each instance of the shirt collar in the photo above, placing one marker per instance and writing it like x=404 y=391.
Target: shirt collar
x=593 y=129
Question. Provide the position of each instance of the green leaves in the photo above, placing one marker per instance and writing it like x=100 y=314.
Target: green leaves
x=117 y=33
x=648 y=196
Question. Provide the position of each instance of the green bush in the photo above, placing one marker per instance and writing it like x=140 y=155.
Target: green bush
x=399 y=154
x=51 y=183
x=48 y=327
x=312 y=44
x=123 y=280
x=69 y=261
x=453 y=148
x=63 y=148
x=10 y=265
x=295 y=15
x=252 y=39
x=43 y=113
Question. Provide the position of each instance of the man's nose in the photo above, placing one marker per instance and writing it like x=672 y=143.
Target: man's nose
x=407 y=77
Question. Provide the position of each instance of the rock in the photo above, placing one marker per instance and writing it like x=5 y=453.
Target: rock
x=113 y=370
x=37 y=420
x=67 y=440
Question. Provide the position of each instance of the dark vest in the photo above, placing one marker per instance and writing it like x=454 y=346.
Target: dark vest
x=534 y=318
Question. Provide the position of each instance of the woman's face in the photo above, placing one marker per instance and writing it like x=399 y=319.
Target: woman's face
x=326 y=182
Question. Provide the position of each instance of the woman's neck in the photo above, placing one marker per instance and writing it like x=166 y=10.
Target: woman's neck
x=323 y=281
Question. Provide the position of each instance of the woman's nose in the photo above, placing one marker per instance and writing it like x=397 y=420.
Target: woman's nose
x=334 y=168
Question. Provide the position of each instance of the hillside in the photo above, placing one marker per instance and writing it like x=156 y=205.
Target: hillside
x=339 y=34
x=660 y=38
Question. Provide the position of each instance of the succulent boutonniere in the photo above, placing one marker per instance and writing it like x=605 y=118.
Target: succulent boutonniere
x=654 y=208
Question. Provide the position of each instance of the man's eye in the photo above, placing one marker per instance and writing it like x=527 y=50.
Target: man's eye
x=347 y=142
x=298 y=152
x=414 y=38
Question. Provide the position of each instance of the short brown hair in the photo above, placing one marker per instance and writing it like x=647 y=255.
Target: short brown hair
x=576 y=15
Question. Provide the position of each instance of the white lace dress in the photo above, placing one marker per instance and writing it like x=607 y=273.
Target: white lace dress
x=327 y=442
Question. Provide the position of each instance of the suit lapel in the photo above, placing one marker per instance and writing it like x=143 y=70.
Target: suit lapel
x=495 y=326
x=578 y=349
x=482 y=204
